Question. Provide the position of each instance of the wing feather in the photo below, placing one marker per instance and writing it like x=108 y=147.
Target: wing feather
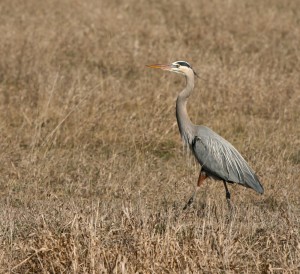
x=220 y=159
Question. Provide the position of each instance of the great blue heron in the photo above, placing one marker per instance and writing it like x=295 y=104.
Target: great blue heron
x=217 y=157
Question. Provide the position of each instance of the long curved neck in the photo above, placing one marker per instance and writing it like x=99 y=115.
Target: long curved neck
x=184 y=123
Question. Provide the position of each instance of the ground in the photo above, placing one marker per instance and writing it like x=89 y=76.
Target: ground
x=94 y=175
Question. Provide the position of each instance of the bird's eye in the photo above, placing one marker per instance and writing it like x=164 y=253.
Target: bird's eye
x=177 y=66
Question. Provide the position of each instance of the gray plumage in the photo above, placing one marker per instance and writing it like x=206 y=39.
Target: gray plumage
x=217 y=157
x=221 y=160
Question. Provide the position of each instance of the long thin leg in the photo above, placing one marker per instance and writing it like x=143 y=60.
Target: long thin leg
x=201 y=178
x=227 y=196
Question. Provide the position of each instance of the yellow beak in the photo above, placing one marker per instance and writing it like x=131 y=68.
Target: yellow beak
x=160 y=66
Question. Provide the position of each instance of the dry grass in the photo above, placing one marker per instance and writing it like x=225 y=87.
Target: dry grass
x=93 y=176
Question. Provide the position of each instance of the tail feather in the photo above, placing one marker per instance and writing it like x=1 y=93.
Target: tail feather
x=252 y=181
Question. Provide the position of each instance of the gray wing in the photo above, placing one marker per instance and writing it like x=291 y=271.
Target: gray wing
x=220 y=159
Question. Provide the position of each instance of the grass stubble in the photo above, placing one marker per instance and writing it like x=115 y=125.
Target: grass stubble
x=93 y=175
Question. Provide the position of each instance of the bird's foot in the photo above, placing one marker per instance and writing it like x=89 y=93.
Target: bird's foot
x=231 y=210
x=190 y=201
x=229 y=204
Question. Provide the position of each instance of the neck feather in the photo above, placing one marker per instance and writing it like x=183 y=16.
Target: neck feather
x=186 y=127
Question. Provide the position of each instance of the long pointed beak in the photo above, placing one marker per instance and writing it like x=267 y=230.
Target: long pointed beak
x=160 y=66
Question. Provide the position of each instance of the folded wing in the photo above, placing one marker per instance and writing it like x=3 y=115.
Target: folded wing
x=220 y=159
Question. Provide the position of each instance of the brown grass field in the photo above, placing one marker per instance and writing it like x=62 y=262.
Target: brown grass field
x=93 y=173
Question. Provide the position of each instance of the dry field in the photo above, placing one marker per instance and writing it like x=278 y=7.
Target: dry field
x=93 y=173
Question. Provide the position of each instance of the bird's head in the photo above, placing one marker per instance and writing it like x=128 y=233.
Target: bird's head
x=181 y=67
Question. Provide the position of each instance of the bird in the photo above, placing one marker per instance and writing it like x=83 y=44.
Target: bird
x=217 y=157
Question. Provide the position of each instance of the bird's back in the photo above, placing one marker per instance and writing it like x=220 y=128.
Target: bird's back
x=221 y=160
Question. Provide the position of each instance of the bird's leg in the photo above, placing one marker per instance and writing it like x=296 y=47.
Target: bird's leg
x=227 y=196
x=201 y=178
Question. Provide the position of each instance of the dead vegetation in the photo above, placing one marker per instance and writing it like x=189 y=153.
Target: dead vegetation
x=93 y=176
